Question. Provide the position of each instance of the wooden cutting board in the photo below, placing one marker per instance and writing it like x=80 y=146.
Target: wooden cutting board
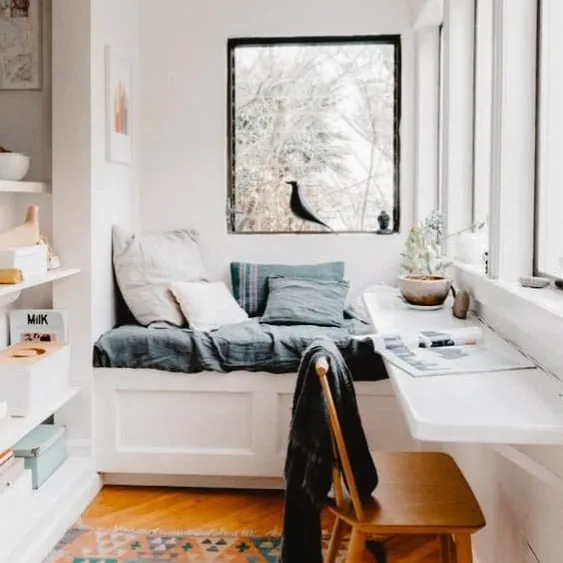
x=28 y=353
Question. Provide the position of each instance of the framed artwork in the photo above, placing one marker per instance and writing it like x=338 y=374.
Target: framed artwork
x=20 y=45
x=118 y=107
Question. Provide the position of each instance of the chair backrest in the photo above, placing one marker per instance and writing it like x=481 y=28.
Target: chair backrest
x=322 y=367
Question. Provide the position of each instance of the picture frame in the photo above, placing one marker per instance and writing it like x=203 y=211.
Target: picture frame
x=21 y=45
x=118 y=107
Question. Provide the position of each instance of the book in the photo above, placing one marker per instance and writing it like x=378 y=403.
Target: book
x=450 y=351
x=10 y=276
x=38 y=325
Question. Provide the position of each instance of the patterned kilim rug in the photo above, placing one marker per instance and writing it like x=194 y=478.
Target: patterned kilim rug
x=84 y=545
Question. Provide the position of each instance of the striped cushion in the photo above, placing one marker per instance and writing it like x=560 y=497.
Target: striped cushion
x=250 y=281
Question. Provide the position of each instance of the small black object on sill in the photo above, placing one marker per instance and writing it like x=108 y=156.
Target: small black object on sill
x=383 y=220
x=558 y=284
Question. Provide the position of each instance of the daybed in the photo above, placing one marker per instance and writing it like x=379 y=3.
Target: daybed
x=180 y=406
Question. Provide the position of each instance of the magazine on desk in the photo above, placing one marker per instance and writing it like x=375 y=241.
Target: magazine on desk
x=449 y=351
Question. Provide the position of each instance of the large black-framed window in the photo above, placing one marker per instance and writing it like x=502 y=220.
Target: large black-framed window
x=325 y=112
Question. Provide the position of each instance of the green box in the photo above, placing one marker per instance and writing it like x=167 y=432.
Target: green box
x=43 y=450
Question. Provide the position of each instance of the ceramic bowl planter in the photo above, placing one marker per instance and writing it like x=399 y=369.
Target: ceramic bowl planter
x=424 y=290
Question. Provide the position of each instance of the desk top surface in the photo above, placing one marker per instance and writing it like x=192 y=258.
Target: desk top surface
x=523 y=406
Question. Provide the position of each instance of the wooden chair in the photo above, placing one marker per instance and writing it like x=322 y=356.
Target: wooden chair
x=418 y=493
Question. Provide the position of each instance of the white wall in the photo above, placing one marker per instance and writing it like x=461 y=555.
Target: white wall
x=524 y=512
x=114 y=185
x=90 y=194
x=520 y=488
x=184 y=135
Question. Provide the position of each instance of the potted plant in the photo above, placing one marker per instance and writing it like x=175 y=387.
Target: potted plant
x=424 y=281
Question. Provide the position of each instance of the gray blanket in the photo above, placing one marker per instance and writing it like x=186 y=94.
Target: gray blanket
x=250 y=346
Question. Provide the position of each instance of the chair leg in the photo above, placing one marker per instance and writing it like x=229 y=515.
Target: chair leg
x=356 y=546
x=445 y=548
x=463 y=548
x=335 y=539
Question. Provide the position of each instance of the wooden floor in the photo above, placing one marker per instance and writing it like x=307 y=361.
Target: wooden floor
x=218 y=510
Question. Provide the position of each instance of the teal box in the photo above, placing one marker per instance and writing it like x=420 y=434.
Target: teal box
x=43 y=450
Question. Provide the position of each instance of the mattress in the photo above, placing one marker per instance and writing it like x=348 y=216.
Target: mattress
x=248 y=346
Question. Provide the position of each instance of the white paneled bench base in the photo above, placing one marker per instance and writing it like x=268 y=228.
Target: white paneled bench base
x=213 y=429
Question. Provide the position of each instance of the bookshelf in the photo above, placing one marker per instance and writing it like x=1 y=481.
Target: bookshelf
x=12 y=428
x=53 y=275
x=7 y=186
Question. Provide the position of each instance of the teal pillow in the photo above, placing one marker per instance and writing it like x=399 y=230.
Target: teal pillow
x=293 y=301
x=250 y=281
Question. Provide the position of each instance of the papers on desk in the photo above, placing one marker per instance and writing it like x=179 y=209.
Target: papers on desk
x=449 y=351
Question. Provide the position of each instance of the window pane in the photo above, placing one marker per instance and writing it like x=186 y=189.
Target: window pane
x=483 y=109
x=549 y=222
x=441 y=121
x=324 y=114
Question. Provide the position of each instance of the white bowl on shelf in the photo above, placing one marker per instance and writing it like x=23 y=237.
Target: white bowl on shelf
x=13 y=166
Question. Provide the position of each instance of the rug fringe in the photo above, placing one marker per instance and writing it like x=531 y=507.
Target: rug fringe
x=181 y=533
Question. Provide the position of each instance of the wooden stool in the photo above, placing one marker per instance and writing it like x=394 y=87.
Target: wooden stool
x=418 y=493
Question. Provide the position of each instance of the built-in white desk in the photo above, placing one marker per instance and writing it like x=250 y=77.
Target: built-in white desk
x=523 y=406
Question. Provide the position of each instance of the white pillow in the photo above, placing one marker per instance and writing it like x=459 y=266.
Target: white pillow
x=207 y=305
x=145 y=265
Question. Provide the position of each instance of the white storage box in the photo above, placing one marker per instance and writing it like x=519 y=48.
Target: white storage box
x=30 y=373
x=32 y=261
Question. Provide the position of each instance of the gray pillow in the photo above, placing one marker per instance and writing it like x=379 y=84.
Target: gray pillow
x=305 y=301
x=146 y=264
x=250 y=281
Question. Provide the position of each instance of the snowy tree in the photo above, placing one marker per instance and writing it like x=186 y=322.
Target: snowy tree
x=321 y=114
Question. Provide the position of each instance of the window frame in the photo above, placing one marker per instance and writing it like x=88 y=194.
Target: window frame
x=234 y=42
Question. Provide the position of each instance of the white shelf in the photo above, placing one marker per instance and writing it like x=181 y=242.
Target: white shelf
x=32 y=531
x=8 y=186
x=53 y=275
x=13 y=429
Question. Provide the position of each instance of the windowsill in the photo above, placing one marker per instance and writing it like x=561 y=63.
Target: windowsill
x=550 y=299
x=531 y=318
